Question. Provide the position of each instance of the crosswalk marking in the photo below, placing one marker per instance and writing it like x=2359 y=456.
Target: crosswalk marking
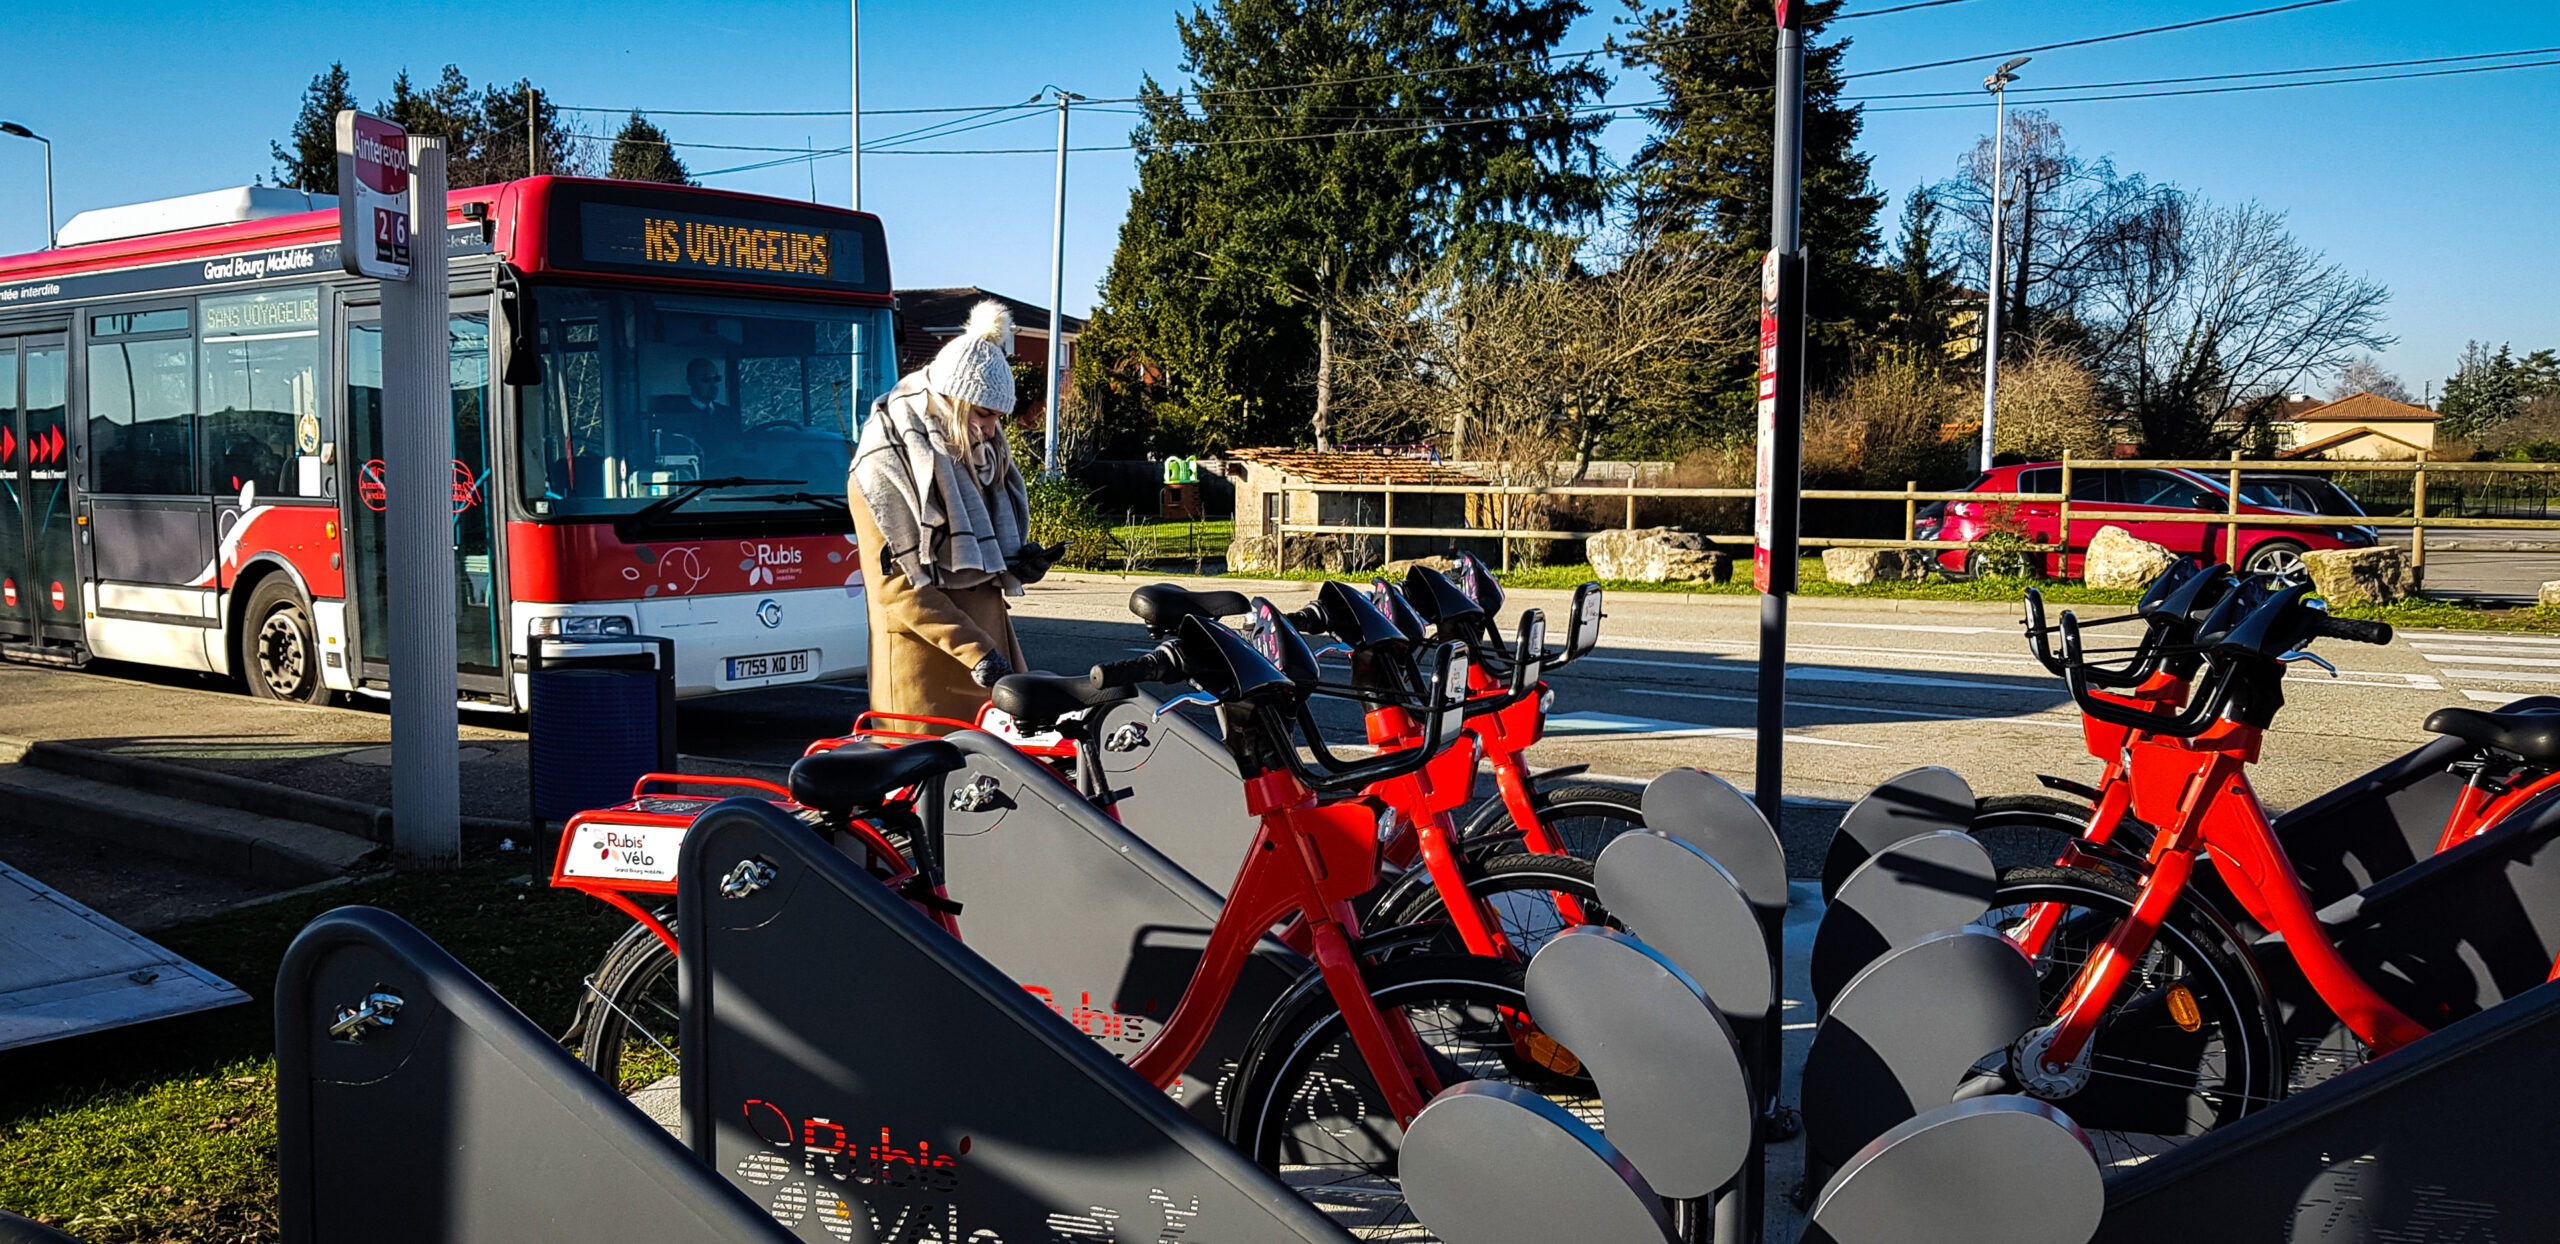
x=2450 y=659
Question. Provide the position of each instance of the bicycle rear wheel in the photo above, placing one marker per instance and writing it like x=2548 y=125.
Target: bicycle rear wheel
x=2187 y=1046
x=628 y=1029
x=1308 y=1109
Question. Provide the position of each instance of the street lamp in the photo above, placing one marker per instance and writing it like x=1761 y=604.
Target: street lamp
x=15 y=130
x=1997 y=84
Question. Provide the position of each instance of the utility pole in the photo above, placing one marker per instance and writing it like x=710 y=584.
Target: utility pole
x=856 y=149
x=1997 y=84
x=532 y=145
x=1057 y=287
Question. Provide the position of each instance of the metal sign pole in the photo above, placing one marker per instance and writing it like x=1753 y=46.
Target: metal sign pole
x=1774 y=570
x=417 y=434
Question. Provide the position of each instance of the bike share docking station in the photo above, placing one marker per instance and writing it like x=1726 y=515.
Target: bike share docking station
x=847 y=1069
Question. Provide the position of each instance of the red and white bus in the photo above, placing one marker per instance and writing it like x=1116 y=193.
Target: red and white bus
x=655 y=391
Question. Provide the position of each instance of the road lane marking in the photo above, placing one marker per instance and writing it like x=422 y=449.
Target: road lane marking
x=2009 y=630
x=1817 y=673
x=2062 y=722
x=2502 y=676
x=2496 y=697
x=2422 y=638
x=1620 y=726
x=2450 y=659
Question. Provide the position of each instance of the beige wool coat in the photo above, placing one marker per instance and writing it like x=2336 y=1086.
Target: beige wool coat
x=925 y=640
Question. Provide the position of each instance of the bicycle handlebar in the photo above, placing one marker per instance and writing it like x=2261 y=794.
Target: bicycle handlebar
x=2351 y=630
x=1162 y=665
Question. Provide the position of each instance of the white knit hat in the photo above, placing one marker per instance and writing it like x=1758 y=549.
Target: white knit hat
x=972 y=367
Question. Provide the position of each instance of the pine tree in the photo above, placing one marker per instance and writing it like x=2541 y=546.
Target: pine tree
x=641 y=152
x=1322 y=147
x=447 y=110
x=500 y=154
x=1707 y=171
x=1923 y=298
x=308 y=159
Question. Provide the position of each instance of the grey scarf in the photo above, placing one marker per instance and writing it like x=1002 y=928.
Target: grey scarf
x=939 y=525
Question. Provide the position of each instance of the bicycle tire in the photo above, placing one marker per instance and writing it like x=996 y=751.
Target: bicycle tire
x=1512 y=885
x=1308 y=1110
x=2234 y=1053
x=1584 y=819
x=628 y=1034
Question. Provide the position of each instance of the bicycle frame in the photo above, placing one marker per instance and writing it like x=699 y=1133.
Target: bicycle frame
x=1306 y=863
x=1429 y=830
x=2197 y=792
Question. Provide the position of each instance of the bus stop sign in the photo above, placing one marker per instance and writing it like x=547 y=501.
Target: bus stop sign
x=373 y=197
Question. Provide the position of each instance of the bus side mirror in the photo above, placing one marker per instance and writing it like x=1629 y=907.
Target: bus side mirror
x=522 y=330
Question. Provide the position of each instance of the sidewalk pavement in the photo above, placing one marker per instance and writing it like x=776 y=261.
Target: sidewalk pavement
x=262 y=792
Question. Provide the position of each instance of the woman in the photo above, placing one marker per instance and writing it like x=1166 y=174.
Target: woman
x=942 y=520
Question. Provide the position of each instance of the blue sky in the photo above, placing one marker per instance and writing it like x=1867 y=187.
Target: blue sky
x=2443 y=189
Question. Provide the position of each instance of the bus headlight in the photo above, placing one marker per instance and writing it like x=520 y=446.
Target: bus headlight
x=580 y=625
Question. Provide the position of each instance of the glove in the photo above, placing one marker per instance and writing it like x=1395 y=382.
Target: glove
x=986 y=672
x=1031 y=563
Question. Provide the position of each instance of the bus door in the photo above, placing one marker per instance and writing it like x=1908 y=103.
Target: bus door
x=39 y=576
x=478 y=584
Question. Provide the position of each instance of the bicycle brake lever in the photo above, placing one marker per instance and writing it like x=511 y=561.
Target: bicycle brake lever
x=1331 y=649
x=1191 y=697
x=2305 y=654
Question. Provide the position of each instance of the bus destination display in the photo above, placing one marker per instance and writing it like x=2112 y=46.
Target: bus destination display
x=690 y=243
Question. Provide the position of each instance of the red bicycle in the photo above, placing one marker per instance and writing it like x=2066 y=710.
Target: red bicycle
x=2159 y=1023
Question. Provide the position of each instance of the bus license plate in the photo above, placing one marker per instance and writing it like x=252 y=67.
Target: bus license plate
x=769 y=665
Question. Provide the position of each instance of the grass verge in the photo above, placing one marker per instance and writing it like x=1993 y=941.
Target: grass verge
x=166 y=1131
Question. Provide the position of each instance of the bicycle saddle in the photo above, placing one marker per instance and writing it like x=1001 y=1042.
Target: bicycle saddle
x=2532 y=735
x=850 y=779
x=1163 y=606
x=1038 y=701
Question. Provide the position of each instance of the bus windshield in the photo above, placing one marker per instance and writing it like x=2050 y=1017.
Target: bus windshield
x=644 y=393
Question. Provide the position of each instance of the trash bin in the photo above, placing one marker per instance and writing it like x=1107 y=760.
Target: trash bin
x=596 y=720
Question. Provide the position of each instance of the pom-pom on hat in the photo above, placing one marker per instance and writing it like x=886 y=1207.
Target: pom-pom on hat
x=971 y=367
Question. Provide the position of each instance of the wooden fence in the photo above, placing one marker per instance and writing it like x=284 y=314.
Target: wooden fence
x=2224 y=471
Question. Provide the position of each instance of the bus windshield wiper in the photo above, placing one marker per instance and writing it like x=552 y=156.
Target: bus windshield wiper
x=821 y=500
x=687 y=491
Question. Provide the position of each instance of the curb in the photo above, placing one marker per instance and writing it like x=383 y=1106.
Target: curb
x=316 y=837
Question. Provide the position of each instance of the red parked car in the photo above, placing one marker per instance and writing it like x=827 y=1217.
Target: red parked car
x=2145 y=490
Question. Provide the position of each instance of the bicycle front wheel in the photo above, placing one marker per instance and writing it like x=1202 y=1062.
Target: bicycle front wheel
x=1586 y=819
x=1520 y=892
x=628 y=1035
x=2186 y=1046
x=1309 y=1110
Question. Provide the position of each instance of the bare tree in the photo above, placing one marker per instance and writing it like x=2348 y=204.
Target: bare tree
x=2212 y=314
x=1554 y=359
x=2365 y=374
x=2066 y=229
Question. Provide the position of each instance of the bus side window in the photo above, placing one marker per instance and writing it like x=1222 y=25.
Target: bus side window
x=142 y=405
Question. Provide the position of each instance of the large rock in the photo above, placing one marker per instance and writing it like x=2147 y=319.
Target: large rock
x=2119 y=558
x=1395 y=571
x=1331 y=554
x=1655 y=555
x=1249 y=553
x=2550 y=598
x=1875 y=565
x=2374 y=576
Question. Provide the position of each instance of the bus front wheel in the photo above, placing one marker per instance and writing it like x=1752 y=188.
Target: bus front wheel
x=279 y=647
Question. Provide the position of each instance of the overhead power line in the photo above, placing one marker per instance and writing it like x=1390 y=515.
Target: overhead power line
x=1899 y=8
x=2074 y=43
x=2254 y=86
x=1974 y=93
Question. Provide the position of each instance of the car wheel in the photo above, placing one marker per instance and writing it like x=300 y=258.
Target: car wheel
x=2274 y=557
x=279 y=647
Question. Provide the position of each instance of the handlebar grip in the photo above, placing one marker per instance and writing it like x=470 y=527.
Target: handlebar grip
x=1151 y=667
x=2352 y=630
x=1309 y=619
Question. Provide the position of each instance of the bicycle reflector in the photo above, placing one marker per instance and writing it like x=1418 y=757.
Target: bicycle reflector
x=2183 y=1008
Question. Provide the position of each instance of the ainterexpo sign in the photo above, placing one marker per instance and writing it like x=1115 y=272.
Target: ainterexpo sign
x=373 y=197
